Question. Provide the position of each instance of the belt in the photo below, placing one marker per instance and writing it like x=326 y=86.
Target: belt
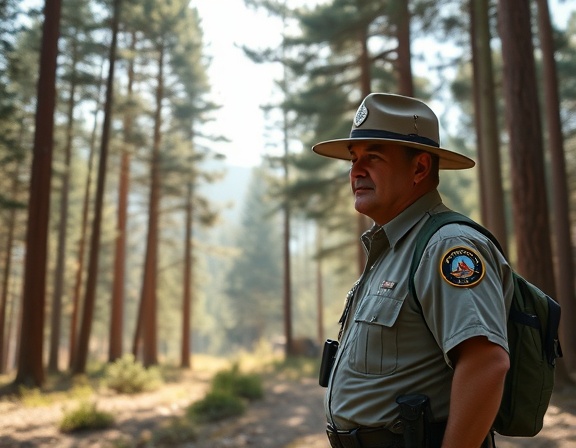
x=364 y=438
x=380 y=437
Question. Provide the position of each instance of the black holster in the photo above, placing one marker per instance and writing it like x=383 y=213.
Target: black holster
x=414 y=413
x=328 y=358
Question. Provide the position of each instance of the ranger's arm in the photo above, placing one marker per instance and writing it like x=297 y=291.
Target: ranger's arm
x=480 y=368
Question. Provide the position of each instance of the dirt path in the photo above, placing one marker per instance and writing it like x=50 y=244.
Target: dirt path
x=300 y=407
x=289 y=416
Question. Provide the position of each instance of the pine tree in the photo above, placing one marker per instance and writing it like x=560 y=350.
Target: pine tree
x=173 y=33
x=78 y=45
x=488 y=142
x=30 y=363
x=561 y=218
x=81 y=355
x=254 y=290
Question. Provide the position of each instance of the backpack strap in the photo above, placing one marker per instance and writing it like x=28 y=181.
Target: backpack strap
x=431 y=226
x=552 y=343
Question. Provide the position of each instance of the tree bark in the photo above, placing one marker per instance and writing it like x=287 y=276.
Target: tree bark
x=404 y=58
x=117 y=301
x=148 y=326
x=90 y=296
x=489 y=165
x=83 y=235
x=525 y=132
x=560 y=202
x=30 y=365
x=4 y=335
x=319 y=287
x=287 y=268
x=56 y=317
x=188 y=280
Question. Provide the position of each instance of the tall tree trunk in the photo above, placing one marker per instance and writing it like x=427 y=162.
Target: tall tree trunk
x=10 y=346
x=117 y=302
x=30 y=365
x=90 y=296
x=14 y=318
x=491 y=192
x=562 y=237
x=525 y=132
x=148 y=303
x=188 y=280
x=319 y=287
x=83 y=233
x=287 y=258
x=287 y=268
x=4 y=335
x=56 y=317
x=404 y=59
x=7 y=321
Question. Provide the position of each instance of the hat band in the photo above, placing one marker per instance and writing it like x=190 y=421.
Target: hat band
x=371 y=133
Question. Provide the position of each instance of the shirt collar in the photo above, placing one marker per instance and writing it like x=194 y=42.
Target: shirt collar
x=408 y=218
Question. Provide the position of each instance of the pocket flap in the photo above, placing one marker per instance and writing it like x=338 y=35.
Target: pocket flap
x=379 y=310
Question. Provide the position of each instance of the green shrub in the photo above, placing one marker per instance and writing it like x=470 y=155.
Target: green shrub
x=81 y=391
x=128 y=376
x=175 y=432
x=231 y=381
x=216 y=405
x=85 y=416
x=33 y=397
x=296 y=368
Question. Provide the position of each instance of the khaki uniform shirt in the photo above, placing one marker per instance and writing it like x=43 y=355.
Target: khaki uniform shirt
x=386 y=348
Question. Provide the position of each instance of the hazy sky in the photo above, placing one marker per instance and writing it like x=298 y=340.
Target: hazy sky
x=241 y=86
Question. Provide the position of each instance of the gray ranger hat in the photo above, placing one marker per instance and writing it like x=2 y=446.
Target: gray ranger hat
x=384 y=117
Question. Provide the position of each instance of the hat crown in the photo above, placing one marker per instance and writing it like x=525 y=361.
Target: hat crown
x=384 y=119
x=397 y=114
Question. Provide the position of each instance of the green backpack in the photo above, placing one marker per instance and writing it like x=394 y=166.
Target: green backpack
x=532 y=338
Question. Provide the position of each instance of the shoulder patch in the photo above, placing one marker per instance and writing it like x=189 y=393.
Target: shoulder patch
x=462 y=267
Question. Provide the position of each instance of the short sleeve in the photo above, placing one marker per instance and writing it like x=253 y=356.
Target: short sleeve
x=464 y=286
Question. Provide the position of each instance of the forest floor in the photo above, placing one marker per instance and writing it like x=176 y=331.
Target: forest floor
x=289 y=416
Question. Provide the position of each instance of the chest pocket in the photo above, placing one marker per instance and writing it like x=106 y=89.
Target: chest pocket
x=374 y=345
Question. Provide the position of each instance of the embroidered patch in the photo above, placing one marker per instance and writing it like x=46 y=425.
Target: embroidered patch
x=462 y=267
x=387 y=284
x=361 y=115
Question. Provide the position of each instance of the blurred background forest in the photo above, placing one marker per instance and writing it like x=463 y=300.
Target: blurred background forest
x=125 y=230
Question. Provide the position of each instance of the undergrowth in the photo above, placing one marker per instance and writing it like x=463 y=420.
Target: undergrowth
x=128 y=376
x=231 y=390
x=85 y=416
x=216 y=405
x=228 y=395
x=34 y=397
x=174 y=432
x=233 y=382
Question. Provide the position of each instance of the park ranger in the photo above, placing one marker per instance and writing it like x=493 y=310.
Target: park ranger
x=414 y=371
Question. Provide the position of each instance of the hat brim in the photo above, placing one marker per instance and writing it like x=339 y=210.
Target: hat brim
x=339 y=149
